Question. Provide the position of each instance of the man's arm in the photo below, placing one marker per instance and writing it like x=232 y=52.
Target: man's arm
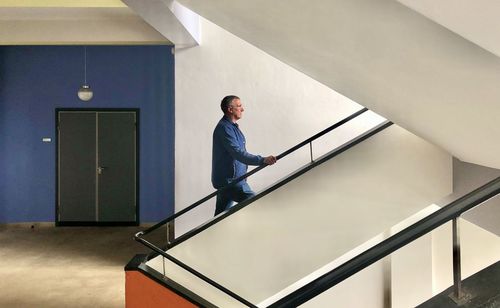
x=230 y=143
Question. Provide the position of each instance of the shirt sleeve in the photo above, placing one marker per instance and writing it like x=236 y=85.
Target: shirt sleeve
x=230 y=143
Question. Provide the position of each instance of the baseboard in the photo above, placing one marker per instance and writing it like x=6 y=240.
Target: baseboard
x=36 y=225
x=27 y=225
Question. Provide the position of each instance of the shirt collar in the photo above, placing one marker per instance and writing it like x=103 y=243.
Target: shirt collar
x=229 y=120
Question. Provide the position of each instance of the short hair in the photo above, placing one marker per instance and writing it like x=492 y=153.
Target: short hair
x=226 y=101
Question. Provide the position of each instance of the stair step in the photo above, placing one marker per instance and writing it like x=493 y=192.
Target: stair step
x=482 y=289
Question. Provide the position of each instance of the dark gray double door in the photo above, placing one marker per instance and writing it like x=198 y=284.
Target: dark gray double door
x=97 y=167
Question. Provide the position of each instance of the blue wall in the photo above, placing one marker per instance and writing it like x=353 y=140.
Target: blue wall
x=35 y=80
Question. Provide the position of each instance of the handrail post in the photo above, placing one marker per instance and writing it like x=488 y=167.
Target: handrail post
x=457 y=277
x=170 y=231
x=311 y=150
x=459 y=295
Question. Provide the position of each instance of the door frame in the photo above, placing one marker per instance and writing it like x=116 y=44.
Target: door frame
x=137 y=160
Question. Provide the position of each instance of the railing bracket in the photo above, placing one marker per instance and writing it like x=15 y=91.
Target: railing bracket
x=465 y=297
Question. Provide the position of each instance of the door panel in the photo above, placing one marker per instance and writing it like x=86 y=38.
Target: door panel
x=77 y=166
x=116 y=180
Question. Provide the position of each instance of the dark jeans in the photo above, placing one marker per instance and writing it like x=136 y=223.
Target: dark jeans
x=227 y=197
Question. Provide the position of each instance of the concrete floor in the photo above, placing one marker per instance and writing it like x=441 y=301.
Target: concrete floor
x=49 y=266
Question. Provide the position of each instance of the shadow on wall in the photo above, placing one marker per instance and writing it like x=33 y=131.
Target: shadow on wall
x=467 y=177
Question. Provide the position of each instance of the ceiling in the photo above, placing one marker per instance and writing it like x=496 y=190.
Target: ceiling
x=57 y=22
x=61 y=3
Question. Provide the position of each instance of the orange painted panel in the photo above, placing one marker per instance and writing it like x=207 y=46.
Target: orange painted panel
x=143 y=292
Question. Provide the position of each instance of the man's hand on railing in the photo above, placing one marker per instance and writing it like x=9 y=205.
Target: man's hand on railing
x=270 y=160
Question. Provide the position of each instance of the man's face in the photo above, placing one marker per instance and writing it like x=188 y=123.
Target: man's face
x=236 y=109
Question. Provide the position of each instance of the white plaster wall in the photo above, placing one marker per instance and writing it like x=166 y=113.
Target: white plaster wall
x=411 y=269
x=282 y=108
x=355 y=292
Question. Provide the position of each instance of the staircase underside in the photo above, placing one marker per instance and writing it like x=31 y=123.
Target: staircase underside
x=384 y=56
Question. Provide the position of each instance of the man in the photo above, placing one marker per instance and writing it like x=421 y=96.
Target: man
x=230 y=158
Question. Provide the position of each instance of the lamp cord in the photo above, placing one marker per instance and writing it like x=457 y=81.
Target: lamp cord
x=85 y=63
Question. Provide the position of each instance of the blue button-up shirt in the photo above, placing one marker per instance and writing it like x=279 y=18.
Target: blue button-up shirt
x=230 y=158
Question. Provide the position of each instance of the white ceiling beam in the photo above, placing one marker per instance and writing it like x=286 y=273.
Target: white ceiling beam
x=170 y=19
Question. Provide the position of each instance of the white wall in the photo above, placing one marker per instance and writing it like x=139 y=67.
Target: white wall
x=411 y=269
x=282 y=108
x=355 y=291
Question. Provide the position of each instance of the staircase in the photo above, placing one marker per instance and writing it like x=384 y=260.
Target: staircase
x=385 y=56
x=272 y=245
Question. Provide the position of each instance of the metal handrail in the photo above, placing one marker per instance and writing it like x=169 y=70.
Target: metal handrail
x=450 y=212
x=297 y=173
x=335 y=152
x=196 y=273
x=246 y=175
x=339 y=150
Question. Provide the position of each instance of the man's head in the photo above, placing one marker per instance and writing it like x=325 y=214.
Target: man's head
x=232 y=107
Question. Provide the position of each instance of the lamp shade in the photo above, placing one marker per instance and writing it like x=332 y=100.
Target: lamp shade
x=85 y=93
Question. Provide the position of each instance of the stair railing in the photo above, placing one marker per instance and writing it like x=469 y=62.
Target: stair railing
x=452 y=212
x=163 y=251
x=309 y=141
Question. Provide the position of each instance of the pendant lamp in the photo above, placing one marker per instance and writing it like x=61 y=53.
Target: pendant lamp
x=85 y=92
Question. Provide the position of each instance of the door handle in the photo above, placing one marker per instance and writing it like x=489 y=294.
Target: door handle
x=100 y=169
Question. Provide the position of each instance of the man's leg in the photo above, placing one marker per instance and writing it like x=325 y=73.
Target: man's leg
x=223 y=202
x=241 y=193
x=236 y=193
